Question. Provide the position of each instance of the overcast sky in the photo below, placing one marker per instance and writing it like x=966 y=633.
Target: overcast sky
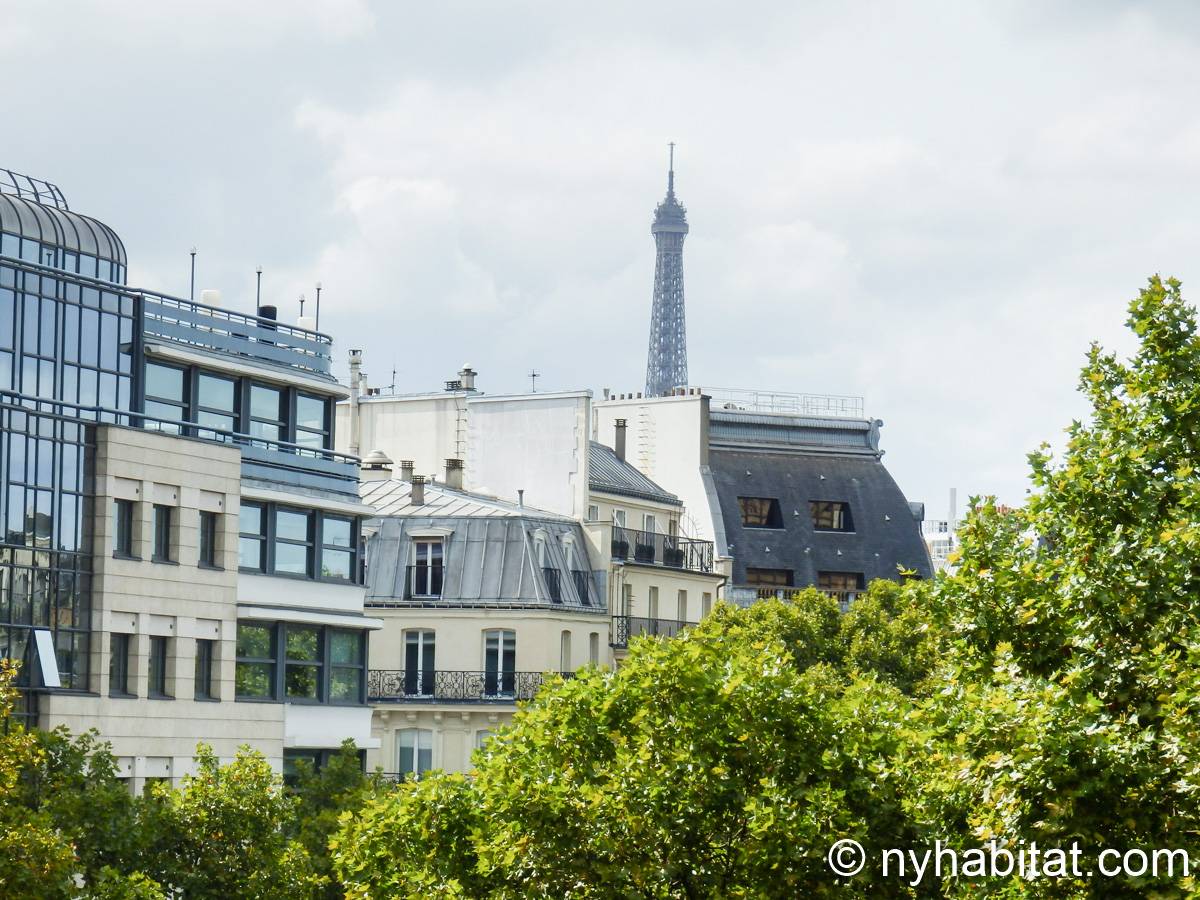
x=933 y=205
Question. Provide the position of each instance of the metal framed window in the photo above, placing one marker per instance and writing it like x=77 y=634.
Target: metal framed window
x=769 y=577
x=419 y=664
x=347 y=666
x=215 y=404
x=158 y=668
x=208 y=539
x=292 y=548
x=252 y=537
x=760 y=512
x=499 y=662
x=162 y=533
x=268 y=413
x=414 y=751
x=830 y=515
x=338 y=543
x=204 y=670
x=255 y=669
x=118 y=665
x=165 y=389
x=123 y=528
x=312 y=422
x=304 y=663
x=426 y=576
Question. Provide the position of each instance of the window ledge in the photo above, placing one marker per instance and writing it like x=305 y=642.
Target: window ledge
x=121 y=695
x=159 y=697
x=163 y=562
x=128 y=557
x=207 y=699
x=210 y=567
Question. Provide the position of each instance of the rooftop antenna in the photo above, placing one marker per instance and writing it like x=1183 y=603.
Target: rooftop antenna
x=317 y=324
x=671 y=170
x=534 y=375
x=258 y=287
x=192 y=289
x=302 y=306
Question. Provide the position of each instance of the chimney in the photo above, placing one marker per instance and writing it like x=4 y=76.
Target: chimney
x=466 y=377
x=406 y=470
x=520 y=497
x=619 y=443
x=375 y=467
x=355 y=366
x=454 y=474
x=417 y=497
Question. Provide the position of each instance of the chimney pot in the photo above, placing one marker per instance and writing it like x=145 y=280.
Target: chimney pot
x=619 y=443
x=454 y=474
x=417 y=496
x=406 y=470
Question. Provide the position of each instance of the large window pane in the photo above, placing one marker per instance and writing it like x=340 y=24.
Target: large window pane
x=164 y=382
x=291 y=559
x=215 y=393
x=336 y=532
x=291 y=525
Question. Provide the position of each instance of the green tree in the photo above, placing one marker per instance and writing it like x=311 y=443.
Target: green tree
x=222 y=833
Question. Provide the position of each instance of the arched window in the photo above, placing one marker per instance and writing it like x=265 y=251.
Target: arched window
x=564 y=652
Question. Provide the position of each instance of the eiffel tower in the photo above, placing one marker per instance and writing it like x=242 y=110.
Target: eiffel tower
x=666 y=363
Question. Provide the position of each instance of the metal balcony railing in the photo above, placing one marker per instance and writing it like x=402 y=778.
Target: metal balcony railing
x=583 y=586
x=653 y=549
x=423 y=582
x=626 y=627
x=744 y=595
x=442 y=686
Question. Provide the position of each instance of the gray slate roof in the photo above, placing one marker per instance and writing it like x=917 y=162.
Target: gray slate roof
x=886 y=532
x=610 y=475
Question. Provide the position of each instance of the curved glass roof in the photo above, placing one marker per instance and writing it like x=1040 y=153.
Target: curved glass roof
x=60 y=228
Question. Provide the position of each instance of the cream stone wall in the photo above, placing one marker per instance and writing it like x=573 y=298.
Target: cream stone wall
x=176 y=599
x=454 y=732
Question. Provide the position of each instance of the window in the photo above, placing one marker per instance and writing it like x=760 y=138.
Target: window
x=769 y=577
x=123 y=528
x=593 y=513
x=842 y=586
x=255 y=661
x=216 y=405
x=337 y=548
x=705 y=604
x=499 y=662
x=682 y=613
x=619 y=518
x=166 y=397
x=162 y=533
x=648 y=524
x=415 y=756
x=267 y=418
x=760 y=512
x=419 y=664
x=482 y=736
x=208 y=539
x=312 y=421
x=427 y=568
x=303 y=663
x=118 y=665
x=204 y=670
x=594 y=648
x=564 y=652
x=653 y=603
x=293 y=542
x=252 y=539
x=830 y=515
x=347 y=665
x=158 y=668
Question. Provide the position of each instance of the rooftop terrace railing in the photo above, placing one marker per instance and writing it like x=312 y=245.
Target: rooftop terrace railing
x=780 y=402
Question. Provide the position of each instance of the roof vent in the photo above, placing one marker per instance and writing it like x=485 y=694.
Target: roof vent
x=376 y=467
x=406 y=470
x=454 y=474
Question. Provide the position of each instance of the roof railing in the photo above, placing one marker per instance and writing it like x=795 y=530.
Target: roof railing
x=781 y=402
x=29 y=188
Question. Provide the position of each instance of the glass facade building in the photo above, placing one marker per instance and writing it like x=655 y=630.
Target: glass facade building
x=78 y=348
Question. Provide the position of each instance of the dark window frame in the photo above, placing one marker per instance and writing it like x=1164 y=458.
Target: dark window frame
x=203 y=678
x=826 y=514
x=268 y=539
x=209 y=539
x=770 y=518
x=162 y=515
x=272 y=660
x=261 y=535
x=123 y=522
x=157 y=687
x=789 y=577
x=280 y=663
x=119 y=652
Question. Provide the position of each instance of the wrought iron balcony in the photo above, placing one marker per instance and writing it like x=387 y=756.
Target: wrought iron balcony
x=626 y=627
x=667 y=550
x=583 y=586
x=553 y=584
x=745 y=595
x=426 y=686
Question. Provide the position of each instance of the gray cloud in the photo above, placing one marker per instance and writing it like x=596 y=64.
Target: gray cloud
x=935 y=206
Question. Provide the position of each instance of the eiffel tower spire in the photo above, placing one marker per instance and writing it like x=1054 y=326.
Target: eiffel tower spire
x=666 y=362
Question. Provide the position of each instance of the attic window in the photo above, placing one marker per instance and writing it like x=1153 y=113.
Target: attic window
x=769 y=577
x=831 y=515
x=760 y=512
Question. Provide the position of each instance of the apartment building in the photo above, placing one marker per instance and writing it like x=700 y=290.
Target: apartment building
x=181 y=554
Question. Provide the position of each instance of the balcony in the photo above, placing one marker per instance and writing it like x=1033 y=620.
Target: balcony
x=745 y=595
x=424 y=686
x=649 y=548
x=626 y=627
x=213 y=329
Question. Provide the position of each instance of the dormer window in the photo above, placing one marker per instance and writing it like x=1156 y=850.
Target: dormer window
x=425 y=572
x=831 y=515
x=760 y=512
